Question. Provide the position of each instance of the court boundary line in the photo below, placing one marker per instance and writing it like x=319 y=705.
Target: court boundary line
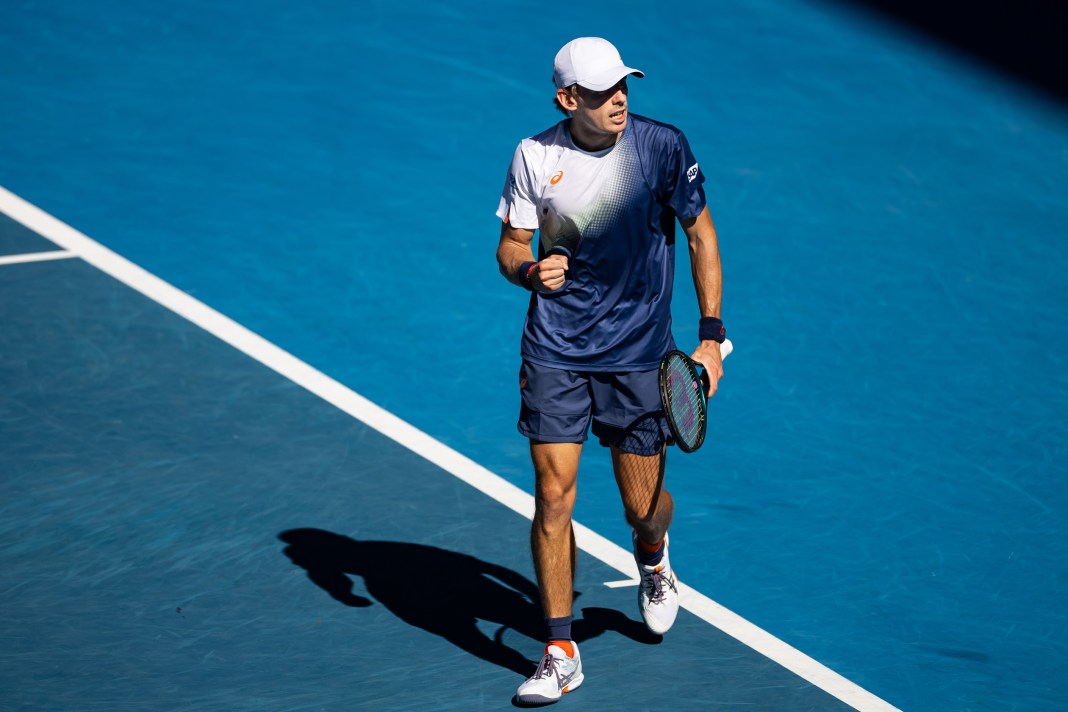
x=407 y=435
x=25 y=257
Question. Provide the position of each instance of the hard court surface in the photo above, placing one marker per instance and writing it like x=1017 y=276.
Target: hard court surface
x=257 y=443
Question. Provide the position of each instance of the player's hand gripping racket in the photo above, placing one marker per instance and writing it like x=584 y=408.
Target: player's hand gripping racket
x=683 y=395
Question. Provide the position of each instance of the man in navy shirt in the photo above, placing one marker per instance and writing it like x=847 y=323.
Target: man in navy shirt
x=603 y=189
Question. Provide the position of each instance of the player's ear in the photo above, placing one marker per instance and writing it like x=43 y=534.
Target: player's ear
x=567 y=99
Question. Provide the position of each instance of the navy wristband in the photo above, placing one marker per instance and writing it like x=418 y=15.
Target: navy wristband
x=711 y=329
x=524 y=275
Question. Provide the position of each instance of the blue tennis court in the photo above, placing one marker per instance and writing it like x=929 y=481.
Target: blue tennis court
x=258 y=433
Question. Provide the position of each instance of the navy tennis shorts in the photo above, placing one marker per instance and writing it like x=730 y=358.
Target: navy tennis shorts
x=558 y=407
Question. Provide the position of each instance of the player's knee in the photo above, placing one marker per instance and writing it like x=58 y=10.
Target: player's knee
x=653 y=518
x=638 y=522
x=555 y=505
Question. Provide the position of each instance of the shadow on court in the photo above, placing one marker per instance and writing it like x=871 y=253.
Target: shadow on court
x=443 y=592
x=1022 y=38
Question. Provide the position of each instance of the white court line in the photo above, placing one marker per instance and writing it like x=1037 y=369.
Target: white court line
x=36 y=257
x=420 y=443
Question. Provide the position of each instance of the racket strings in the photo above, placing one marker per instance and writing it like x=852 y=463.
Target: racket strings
x=686 y=401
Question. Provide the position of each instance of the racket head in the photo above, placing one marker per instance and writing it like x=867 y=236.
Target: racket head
x=682 y=394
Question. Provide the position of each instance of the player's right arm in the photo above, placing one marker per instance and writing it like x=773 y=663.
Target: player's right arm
x=515 y=258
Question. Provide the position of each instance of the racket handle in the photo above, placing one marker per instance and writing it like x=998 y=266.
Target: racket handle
x=724 y=351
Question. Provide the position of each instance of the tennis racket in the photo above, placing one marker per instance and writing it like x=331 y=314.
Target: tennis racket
x=683 y=395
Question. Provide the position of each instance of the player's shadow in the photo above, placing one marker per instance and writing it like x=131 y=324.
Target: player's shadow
x=442 y=592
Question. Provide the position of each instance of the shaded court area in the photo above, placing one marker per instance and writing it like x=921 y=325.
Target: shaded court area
x=183 y=528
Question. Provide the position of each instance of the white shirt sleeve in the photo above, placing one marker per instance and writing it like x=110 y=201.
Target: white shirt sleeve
x=518 y=202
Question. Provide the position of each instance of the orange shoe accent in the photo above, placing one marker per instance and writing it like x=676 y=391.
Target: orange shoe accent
x=564 y=645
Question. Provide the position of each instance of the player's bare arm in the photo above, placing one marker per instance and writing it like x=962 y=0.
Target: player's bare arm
x=708 y=282
x=515 y=249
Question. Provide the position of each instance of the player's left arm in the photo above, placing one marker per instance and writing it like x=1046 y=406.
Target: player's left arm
x=708 y=282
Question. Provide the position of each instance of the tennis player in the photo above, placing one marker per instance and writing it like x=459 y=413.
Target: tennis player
x=603 y=189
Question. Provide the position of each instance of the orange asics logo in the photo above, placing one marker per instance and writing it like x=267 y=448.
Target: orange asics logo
x=557 y=177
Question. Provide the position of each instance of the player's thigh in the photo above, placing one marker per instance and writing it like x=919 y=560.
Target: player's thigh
x=640 y=479
x=556 y=468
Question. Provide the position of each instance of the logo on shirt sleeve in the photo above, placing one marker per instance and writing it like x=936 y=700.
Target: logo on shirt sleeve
x=691 y=173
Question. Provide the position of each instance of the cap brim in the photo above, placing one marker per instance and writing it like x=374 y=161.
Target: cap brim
x=609 y=78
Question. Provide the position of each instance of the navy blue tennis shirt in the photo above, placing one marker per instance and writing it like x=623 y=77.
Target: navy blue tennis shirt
x=613 y=211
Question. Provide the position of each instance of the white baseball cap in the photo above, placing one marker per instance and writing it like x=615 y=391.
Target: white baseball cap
x=590 y=62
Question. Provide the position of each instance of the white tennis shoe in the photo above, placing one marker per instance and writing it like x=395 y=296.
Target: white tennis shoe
x=556 y=674
x=658 y=592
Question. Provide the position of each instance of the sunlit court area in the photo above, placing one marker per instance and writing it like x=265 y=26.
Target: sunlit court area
x=258 y=442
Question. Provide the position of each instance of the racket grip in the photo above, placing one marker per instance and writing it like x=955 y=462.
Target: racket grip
x=724 y=351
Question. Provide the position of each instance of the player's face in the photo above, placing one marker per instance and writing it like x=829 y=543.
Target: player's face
x=600 y=116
